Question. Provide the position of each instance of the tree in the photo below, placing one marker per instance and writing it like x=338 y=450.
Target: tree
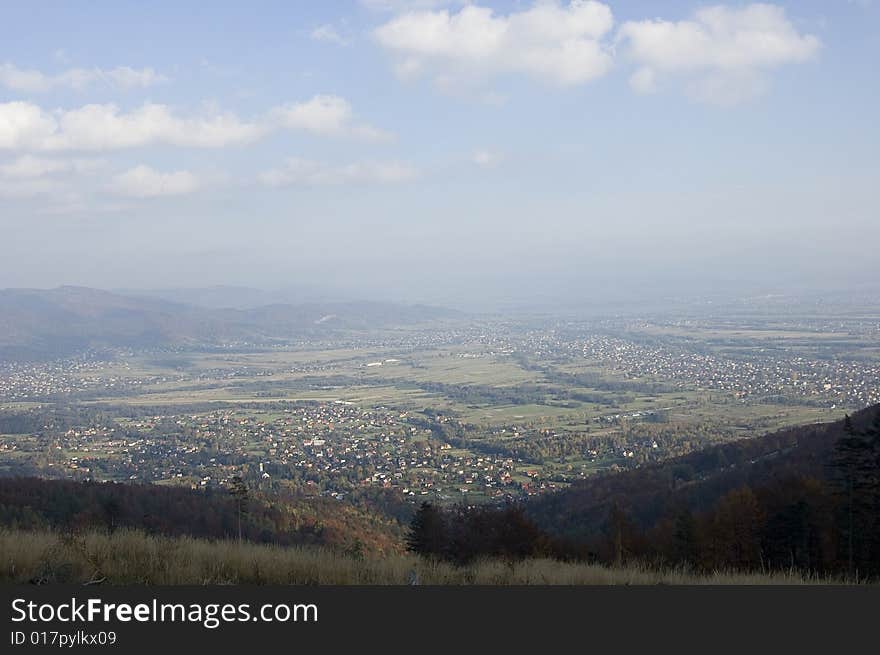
x=427 y=532
x=736 y=531
x=684 y=537
x=518 y=537
x=854 y=478
x=619 y=534
x=240 y=494
x=112 y=512
x=798 y=531
x=873 y=487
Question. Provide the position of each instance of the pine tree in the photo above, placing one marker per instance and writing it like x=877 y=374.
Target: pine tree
x=240 y=493
x=427 y=532
x=854 y=476
x=872 y=490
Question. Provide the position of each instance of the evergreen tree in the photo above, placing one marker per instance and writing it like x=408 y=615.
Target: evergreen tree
x=684 y=538
x=871 y=485
x=240 y=493
x=736 y=531
x=427 y=532
x=853 y=475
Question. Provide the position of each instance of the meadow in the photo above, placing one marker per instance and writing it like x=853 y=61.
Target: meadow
x=418 y=379
x=131 y=557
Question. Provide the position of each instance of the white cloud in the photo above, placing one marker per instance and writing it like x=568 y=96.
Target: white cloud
x=97 y=127
x=26 y=126
x=145 y=182
x=485 y=158
x=562 y=44
x=329 y=34
x=74 y=184
x=398 y=6
x=322 y=114
x=644 y=81
x=29 y=167
x=52 y=179
x=722 y=53
x=34 y=81
x=326 y=115
x=304 y=172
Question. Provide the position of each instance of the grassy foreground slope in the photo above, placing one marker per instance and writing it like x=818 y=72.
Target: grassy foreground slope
x=132 y=557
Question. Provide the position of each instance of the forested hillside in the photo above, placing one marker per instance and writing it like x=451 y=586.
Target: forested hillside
x=34 y=504
x=806 y=499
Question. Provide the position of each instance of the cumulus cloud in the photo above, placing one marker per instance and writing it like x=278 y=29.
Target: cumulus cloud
x=76 y=182
x=305 y=172
x=34 y=81
x=326 y=115
x=562 y=44
x=145 y=182
x=722 y=53
x=27 y=126
x=55 y=179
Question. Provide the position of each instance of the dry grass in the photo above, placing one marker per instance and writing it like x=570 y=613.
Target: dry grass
x=129 y=557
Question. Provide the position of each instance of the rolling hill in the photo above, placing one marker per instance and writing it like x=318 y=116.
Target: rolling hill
x=805 y=498
x=695 y=481
x=45 y=323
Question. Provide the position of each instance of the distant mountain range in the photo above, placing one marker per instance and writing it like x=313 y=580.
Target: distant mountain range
x=41 y=323
x=235 y=297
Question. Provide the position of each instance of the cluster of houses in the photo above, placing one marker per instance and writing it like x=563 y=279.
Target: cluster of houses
x=328 y=448
x=834 y=381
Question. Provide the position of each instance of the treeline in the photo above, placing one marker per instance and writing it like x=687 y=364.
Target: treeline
x=480 y=394
x=32 y=503
x=591 y=380
x=55 y=417
x=464 y=534
x=539 y=449
x=528 y=393
x=537 y=446
x=595 y=381
x=63 y=416
x=529 y=448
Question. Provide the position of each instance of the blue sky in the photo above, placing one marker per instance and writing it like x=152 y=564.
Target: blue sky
x=440 y=151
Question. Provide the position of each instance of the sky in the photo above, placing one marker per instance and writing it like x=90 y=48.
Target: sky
x=446 y=152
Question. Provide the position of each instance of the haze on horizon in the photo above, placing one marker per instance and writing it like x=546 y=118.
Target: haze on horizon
x=442 y=152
